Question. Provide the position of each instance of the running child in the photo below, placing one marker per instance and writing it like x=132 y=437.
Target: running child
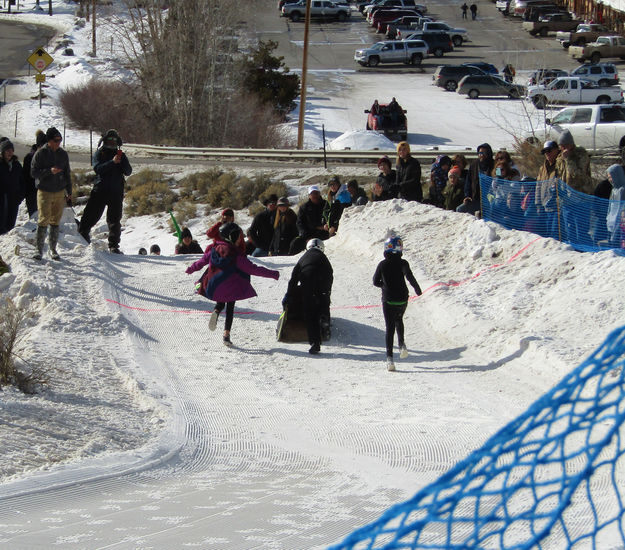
x=390 y=276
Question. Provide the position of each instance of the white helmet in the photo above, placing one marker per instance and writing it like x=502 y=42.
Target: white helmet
x=315 y=243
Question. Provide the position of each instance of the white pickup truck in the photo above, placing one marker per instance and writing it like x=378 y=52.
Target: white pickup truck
x=570 y=89
x=597 y=128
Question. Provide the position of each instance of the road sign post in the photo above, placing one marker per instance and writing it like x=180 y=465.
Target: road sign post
x=40 y=59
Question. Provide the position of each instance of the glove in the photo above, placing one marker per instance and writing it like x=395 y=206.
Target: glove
x=276 y=275
x=189 y=270
x=68 y=200
x=285 y=300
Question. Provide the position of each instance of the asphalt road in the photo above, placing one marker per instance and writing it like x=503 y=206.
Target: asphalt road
x=17 y=42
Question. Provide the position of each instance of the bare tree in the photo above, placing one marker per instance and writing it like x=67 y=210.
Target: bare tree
x=184 y=59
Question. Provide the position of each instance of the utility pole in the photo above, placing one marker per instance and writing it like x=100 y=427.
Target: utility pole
x=93 y=27
x=302 y=100
x=49 y=7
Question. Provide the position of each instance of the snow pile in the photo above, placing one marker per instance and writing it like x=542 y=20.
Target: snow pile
x=361 y=140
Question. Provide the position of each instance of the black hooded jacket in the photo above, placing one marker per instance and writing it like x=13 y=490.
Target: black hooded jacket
x=477 y=167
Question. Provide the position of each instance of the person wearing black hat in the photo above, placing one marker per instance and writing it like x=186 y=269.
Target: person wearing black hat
x=284 y=228
x=188 y=244
x=111 y=166
x=261 y=230
x=227 y=278
x=10 y=187
x=28 y=182
x=51 y=171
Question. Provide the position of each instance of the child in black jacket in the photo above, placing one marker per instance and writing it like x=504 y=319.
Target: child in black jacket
x=390 y=276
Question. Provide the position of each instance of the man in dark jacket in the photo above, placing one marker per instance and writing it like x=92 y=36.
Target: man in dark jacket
x=188 y=244
x=10 y=187
x=111 y=165
x=261 y=230
x=313 y=273
x=310 y=222
x=51 y=170
x=408 y=174
x=472 y=192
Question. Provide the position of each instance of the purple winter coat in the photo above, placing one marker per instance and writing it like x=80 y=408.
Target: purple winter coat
x=228 y=273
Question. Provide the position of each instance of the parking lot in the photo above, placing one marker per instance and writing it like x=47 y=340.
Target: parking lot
x=339 y=89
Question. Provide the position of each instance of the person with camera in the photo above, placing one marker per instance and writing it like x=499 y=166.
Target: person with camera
x=111 y=166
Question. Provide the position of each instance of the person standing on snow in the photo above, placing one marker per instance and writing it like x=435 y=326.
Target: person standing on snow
x=390 y=276
x=483 y=164
x=261 y=230
x=50 y=168
x=227 y=278
x=408 y=174
x=111 y=165
x=10 y=186
x=28 y=182
x=314 y=273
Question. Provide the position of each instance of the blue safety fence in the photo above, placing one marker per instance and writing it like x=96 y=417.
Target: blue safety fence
x=553 y=209
x=552 y=478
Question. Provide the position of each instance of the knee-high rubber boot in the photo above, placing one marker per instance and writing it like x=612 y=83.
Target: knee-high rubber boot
x=42 y=231
x=53 y=238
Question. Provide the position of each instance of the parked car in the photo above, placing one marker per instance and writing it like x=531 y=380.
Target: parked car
x=545 y=76
x=391 y=124
x=551 y=23
x=488 y=68
x=381 y=18
x=320 y=9
x=363 y=4
x=396 y=51
x=604 y=46
x=475 y=85
x=448 y=76
x=408 y=22
x=518 y=7
x=572 y=89
x=604 y=74
x=458 y=35
x=584 y=33
x=597 y=128
x=503 y=6
x=439 y=43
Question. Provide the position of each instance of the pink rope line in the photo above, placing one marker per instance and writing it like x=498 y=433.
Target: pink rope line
x=368 y=306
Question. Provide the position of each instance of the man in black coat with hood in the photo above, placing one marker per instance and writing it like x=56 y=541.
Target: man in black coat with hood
x=314 y=275
x=111 y=165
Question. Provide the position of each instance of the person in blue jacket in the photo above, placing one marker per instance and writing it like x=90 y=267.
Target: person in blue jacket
x=390 y=276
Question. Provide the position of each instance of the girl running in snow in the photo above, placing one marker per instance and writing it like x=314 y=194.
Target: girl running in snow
x=390 y=276
x=227 y=278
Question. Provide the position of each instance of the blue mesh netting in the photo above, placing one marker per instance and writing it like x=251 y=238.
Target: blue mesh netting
x=552 y=478
x=565 y=214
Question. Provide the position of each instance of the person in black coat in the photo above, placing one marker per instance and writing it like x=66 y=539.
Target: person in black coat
x=10 y=186
x=28 y=182
x=483 y=164
x=390 y=276
x=188 y=244
x=111 y=165
x=313 y=273
x=408 y=174
x=385 y=187
x=261 y=230
x=310 y=221
x=284 y=228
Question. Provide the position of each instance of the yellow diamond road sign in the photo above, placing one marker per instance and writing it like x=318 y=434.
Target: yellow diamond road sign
x=40 y=59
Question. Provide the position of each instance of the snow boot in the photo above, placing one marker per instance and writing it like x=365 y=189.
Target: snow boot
x=314 y=349
x=212 y=322
x=53 y=238
x=403 y=352
x=42 y=231
x=390 y=364
x=227 y=341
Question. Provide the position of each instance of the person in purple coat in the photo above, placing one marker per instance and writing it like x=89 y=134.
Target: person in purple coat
x=227 y=278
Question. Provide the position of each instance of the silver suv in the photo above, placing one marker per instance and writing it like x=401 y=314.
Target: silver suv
x=605 y=74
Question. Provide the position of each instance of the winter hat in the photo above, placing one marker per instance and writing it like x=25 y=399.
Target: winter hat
x=40 y=138
x=383 y=160
x=5 y=145
x=155 y=249
x=352 y=184
x=273 y=198
x=566 y=138
x=549 y=146
x=186 y=232
x=52 y=133
x=230 y=232
x=334 y=180
x=283 y=201
x=227 y=212
x=444 y=159
x=455 y=171
x=112 y=136
x=313 y=188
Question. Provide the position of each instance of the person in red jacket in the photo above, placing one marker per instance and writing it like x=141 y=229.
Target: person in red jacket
x=227 y=216
x=227 y=278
